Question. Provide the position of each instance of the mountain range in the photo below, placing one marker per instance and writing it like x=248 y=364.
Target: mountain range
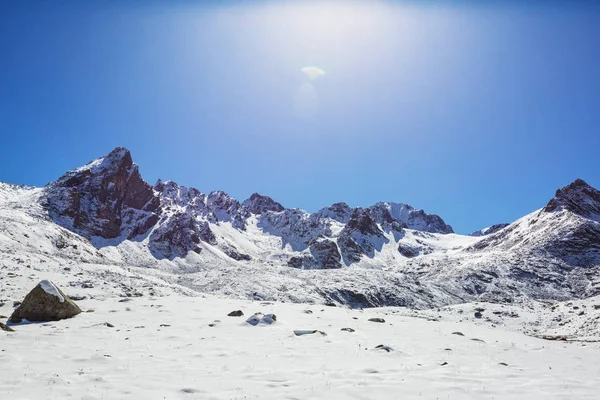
x=105 y=214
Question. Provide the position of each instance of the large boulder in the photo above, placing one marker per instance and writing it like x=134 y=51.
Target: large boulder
x=45 y=302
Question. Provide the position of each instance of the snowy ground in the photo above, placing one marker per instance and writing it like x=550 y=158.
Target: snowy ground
x=164 y=348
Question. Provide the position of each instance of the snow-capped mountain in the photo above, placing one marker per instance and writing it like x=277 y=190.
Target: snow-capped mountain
x=104 y=213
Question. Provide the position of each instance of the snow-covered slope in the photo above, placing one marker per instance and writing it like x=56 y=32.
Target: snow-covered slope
x=188 y=348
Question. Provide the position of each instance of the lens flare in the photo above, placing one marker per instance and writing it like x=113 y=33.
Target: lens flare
x=313 y=72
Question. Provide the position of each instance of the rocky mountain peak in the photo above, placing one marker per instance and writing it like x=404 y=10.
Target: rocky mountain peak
x=105 y=198
x=361 y=221
x=577 y=197
x=258 y=204
x=340 y=212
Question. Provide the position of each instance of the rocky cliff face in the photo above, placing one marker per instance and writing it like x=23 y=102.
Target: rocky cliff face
x=106 y=198
x=360 y=237
x=578 y=198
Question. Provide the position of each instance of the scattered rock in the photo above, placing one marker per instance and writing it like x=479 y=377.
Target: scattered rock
x=237 y=313
x=307 y=312
x=503 y=364
x=45 y=302
x=302 y=332
x=444 y=363
x=348 y=330
x=383 y=347
x=458 y=333
x=260 y=318
x=164 y=325
x=16 y=304
x=109 y=324
x=380 y=320
x=553 y=337
x=477 y=340
x=478 y=314
x=6 y=328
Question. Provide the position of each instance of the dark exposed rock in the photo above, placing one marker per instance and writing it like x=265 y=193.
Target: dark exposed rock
x=407 y=250
x=489 y=230
x=302 y=262
x=237 y=313
x=407 y=217
x=45 y=303
x=236 y=255
x=361 y=236
x=106 y=198
x=384 y=348
x=326 y=254
x=258 y=204
x=561 y=338
x=5 y=328
x=380 y=320
x=577 y=197
x=178 y=234
x=340 y=212
x=348 y=330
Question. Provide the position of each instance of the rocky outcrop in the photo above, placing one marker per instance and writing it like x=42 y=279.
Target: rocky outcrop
x=45 y=302
x=258 y=204
x=227 y=209
x=106 y=198
x=340 y=212
x=179 y=234
x=296 y=227
x=577 y=197
x=361 y=236
x=489 y=230
x=326 y=254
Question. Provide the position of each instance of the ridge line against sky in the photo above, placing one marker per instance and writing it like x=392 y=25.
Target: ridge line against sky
x=475 y=113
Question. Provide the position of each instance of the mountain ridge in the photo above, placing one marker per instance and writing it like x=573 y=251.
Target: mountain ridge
x=384 y=254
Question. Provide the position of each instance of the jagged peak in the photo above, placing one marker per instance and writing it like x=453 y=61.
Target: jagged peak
x=339 y=211
x=577 y=197
x=118 y=158
x=258 y=203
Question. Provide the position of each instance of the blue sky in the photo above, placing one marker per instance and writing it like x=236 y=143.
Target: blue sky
x=475 y=112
